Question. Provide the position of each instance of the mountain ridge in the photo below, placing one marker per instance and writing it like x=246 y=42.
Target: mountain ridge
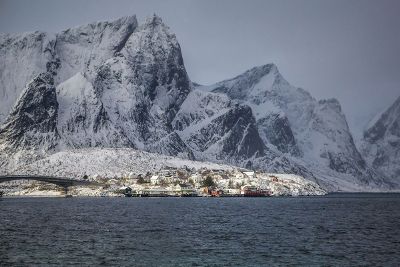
x=124 y=85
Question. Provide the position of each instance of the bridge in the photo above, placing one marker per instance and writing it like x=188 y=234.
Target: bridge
x=64 y=182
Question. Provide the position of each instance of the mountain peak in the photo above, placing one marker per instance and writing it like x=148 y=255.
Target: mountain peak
x=260 y=71
x=270 y=67
x=381 y=143
x=385 y=124
x=153 y=20
x=155 y=24
x=126 y=21
x=332 y=103
x=243 y=85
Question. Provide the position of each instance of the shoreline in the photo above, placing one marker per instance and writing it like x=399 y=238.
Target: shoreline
x=332 y=194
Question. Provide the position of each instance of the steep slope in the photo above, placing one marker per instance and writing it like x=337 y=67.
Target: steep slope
x=30 y=130
x=313 y=133
x=219 y=129
x=84 y=48
x=26 y=55
x=215 y=127
x=381 y=143
x=23 y=56
x=118 y=84
x=82 y=119
x=109 y=162
x=32 y=122
x=130 y=99
x=143 y=87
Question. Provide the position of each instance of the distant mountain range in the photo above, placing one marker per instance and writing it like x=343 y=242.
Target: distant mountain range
x=123 y=85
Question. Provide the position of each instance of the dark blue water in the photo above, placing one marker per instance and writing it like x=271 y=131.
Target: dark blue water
x=335 y=230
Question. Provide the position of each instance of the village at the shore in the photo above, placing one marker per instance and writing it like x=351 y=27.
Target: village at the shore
x=177 y=182
x=170 y=181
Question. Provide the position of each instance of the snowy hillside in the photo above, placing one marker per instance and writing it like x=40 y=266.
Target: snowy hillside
x=127 y=163
x=109 y=163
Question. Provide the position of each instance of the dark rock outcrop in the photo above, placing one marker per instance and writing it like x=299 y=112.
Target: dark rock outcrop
x=33 y=120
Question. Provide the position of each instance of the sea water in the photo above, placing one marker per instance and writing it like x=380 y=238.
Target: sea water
x=332 y=230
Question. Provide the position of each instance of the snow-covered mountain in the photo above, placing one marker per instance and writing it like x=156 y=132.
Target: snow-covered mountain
x=135 y=94
x=311 y=133
x=123 y=85
x=117 y=84
x=381 y=143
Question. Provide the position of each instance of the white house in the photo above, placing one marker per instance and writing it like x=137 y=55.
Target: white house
x=155 y=179
x=239 y=175
x=197 y=178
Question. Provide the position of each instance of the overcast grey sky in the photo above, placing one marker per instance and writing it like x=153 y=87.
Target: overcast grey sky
x=344 y=49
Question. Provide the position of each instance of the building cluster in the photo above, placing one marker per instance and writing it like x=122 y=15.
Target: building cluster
x=171 y=181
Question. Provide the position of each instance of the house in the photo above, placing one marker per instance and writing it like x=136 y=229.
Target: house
x=155 y=179
x=112 y=181
x=232 y=191
x=264 y=182
x=181 y=187
x=239 y=175
x=196 y=178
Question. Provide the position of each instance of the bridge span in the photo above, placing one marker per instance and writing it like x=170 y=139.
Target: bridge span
x=64 y=182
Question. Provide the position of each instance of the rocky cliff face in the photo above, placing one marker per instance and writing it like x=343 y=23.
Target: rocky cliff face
x=312 y=133
x=32 y=122
x=220 y=129
x=23 y=56
x=80 y=49
x=143 y=87
x=118 y=84
x=121 y=84
x=381 y=143
x=82 y=118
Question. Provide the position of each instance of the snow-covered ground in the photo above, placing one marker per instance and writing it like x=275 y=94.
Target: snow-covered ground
x=108 y=162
